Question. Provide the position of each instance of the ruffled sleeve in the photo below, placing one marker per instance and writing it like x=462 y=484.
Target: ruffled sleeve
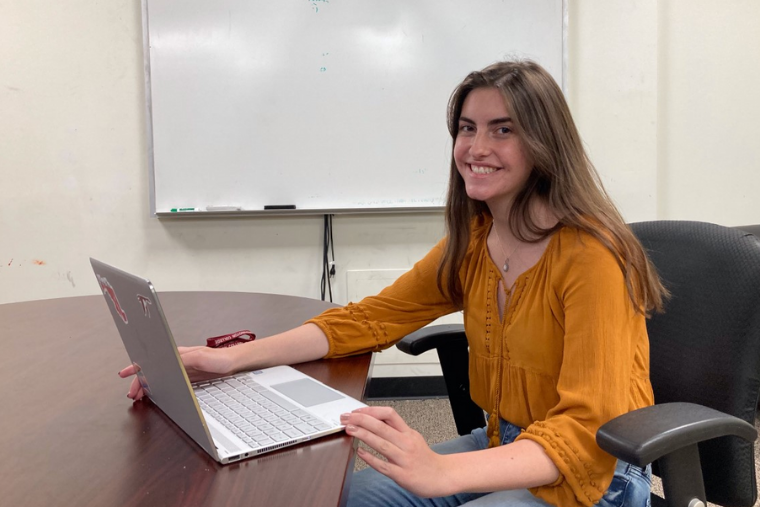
x=377 y=322
x=602 y=337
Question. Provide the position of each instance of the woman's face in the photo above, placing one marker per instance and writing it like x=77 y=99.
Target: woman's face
x=488 y=154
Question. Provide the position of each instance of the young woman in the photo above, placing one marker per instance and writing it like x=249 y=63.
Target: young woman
x=554 y=289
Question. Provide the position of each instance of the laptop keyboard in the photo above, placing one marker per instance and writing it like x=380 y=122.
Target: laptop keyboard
x=254 y=413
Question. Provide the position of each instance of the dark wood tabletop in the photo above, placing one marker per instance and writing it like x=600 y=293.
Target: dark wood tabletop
x=69 y=435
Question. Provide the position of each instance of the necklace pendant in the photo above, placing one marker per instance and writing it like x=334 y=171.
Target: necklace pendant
x=505 y=267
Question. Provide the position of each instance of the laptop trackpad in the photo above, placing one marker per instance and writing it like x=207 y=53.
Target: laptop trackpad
x=307 y=392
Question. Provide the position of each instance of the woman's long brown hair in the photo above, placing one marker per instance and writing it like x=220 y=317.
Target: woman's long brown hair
x=563 y=176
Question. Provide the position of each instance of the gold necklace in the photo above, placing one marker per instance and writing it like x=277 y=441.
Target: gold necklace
x=505 y=267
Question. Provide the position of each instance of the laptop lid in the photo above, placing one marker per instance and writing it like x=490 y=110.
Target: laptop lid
x=135 y=308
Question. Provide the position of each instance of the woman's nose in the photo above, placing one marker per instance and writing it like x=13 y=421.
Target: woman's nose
x=480 y=146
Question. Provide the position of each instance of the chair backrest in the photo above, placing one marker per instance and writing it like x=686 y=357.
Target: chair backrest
x=705 y=347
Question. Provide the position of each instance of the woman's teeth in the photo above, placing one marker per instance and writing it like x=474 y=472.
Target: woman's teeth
x=477 y=169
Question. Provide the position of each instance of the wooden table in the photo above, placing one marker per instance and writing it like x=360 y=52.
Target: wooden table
x=70 y=437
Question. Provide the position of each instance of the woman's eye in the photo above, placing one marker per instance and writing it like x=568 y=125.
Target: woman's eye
x=466 y=128
x=503 y=130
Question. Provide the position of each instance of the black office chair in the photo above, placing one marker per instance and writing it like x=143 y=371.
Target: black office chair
x=705 y=367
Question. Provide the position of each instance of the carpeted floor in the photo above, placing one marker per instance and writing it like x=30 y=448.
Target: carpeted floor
x=432 y=418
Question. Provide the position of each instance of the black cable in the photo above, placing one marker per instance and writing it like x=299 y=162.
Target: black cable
x=330 y=243
x=323 y=283
x=332 y=248
x=327 y=247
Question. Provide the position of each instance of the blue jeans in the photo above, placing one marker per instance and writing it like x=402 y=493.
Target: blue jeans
x=630 y=486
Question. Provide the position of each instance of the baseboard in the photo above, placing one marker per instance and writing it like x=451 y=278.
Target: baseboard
x=406 y=388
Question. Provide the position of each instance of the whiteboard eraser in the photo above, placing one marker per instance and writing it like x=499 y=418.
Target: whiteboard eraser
x=279 y=206
x=223 y=208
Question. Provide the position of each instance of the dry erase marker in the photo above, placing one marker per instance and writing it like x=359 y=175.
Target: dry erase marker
x=180 y=210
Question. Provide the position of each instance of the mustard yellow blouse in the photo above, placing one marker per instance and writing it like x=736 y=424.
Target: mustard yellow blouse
x=569 y=355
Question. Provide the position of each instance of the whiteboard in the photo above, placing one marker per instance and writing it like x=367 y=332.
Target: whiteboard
x=326 y=105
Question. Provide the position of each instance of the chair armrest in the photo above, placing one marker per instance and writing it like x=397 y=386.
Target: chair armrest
x=450 y=342
x=645 y=435
x=432 y=337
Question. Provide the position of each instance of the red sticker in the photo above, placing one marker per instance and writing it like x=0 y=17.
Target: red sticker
x=108 y=290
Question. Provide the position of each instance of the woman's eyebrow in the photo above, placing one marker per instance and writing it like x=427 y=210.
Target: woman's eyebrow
x=495 y=121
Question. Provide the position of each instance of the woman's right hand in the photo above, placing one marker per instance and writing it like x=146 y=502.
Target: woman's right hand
x=200 y=363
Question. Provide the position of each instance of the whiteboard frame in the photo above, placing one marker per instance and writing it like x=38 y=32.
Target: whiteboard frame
x=291 y=212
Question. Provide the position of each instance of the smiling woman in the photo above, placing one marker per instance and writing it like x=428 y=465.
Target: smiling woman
x=541 y=263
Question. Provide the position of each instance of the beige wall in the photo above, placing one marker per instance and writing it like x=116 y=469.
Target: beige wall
x=709 y=149
x=665 y=95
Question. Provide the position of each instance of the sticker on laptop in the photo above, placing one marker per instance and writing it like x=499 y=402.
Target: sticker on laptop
x=108 y=291
x=145 y=302
x=141 y=378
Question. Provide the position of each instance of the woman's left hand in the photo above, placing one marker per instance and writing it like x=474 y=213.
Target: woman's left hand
x=411 y=463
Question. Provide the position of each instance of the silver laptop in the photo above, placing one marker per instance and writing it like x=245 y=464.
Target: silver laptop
x=231 y=418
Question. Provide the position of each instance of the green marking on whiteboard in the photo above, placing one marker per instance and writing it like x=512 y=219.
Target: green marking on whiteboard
x=322 y=69
x=316 y=7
